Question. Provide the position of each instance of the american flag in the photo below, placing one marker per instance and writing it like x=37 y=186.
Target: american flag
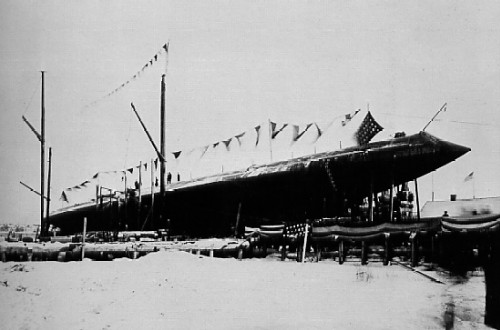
x=296 y=230
x=367 y=130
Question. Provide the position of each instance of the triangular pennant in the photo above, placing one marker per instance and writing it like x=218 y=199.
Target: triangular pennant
x=320 y=132
x=176 y=154
x=295 y=132
x=215 y=145
x=273 y=126
x=298 y=135
x=239 y=136
x=349 y=116
x=275 y=133
x=227 y=142
x=205 y=148
x=63 y=197
x=131 y=170
x=165 y=46
x=257 y=129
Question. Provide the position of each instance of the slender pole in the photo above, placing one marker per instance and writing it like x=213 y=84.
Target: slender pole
x=152 y=190
x=125 y=201
x=39 y=137
x=270 y=141
x=370 y=200
x=387 y=252
x=42 y=162
x=162 y=144
x=238 y=217
x=110 y=192
x=305 y=244
x=48 y=185
x=83 y=236
x=118 y=213
x=97 y=189
x=432 y=176
x=391 y=196
x=473 y=189
x=31 y=189
x=146 y=130
x=418 y=203
x=434 y=117
x=341 y=252
x=140 y=195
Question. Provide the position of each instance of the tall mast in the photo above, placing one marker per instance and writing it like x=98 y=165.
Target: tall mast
x=162 y=144
x=43 y=225
x=48 y=185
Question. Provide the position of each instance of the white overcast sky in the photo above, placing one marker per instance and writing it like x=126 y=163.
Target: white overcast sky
x=232 y=65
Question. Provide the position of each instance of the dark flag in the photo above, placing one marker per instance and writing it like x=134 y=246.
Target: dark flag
x=63 y=197
x=205 y=148
x=320 y=132
x=276 y=132
x=238 y=137
x=257 y=129
x=367 y=130
x=469 y=177
x=296 y=134
x=273 y=126
x=227 y=142
x=349 y=116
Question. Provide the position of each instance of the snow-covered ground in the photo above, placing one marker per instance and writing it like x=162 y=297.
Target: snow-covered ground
x=178 y=290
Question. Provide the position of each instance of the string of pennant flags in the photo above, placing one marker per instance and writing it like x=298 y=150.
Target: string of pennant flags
x=98 y=174
x=365 y=132
x=148 y=64
x=297 y=134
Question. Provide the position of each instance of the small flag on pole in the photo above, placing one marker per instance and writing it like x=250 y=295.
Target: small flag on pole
x=469 y=177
